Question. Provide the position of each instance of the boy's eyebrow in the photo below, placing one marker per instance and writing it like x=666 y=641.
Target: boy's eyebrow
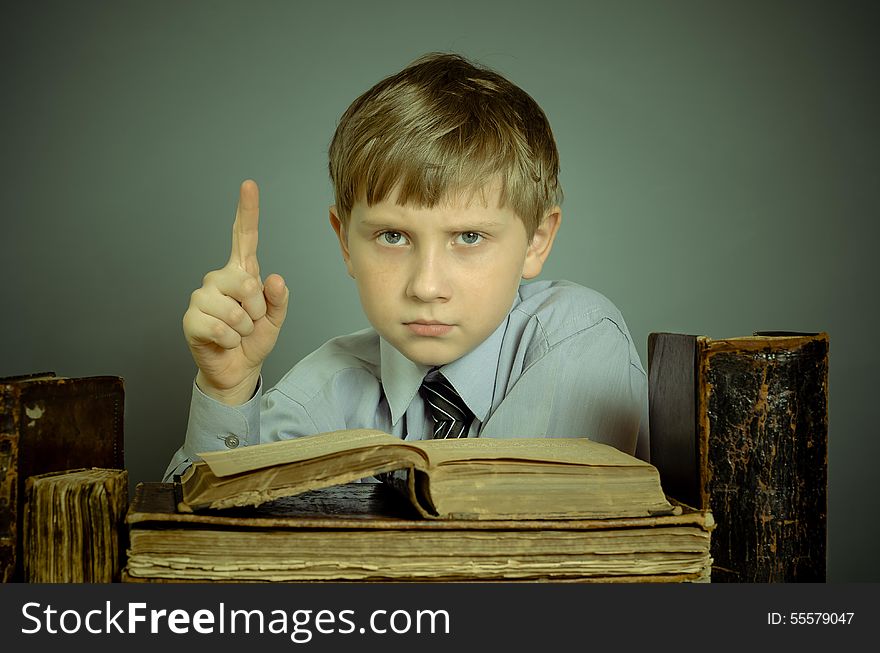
x=463 y=226
x=478 y=224
x=375 y=224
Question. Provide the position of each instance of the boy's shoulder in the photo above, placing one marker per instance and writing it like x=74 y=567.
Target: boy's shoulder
x=352 y=353
x=563 y=308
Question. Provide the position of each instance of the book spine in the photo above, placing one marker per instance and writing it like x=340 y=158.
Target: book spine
x=73 y=528
x=9 y=445
x=672 y=415
x=762 y=450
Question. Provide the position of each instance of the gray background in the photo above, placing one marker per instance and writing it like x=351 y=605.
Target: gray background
x=719 y=162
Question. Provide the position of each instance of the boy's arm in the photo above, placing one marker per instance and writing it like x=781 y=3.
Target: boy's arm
x=265 y=417
x=589 y=383
x=231 y=325
x=213 y=426
x=601 y=388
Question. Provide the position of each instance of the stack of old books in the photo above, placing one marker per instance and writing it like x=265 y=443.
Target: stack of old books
x=63 y=486
x=450 y=510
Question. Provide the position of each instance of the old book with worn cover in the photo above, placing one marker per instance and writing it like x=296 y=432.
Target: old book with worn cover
x=465 y=478
x=739 y=426
x=74 y=529
x=47 y=424
x=370 y=532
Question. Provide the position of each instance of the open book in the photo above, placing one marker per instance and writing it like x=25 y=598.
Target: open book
x=467 y=478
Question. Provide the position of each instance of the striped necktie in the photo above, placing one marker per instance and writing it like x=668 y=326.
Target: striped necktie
x=448 y=410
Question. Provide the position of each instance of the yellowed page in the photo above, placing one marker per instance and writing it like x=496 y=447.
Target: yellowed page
x=235 y=461
x=575 y=451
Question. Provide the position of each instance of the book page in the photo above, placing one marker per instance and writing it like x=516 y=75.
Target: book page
x=243 y=459
x=573 y=451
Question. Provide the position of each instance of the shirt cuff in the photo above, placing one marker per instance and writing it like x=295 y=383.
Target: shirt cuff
x=214 y=425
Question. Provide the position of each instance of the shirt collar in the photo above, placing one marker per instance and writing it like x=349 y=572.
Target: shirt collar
x=401 y=379
x=472 y=375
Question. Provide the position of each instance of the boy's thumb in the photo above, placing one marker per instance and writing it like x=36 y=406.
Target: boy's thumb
x=277 y=295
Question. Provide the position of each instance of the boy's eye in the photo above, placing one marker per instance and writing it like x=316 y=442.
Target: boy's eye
x=470 y=237
x=394 y=238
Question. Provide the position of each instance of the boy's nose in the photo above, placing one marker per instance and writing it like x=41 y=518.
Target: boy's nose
x=428 y=281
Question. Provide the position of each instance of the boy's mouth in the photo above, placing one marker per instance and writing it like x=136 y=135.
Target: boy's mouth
x=429 y=328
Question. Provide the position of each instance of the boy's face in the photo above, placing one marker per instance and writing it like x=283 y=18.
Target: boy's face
x=437 y=282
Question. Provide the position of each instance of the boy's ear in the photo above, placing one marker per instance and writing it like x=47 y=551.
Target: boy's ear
x=342 y=235
x=542 y=243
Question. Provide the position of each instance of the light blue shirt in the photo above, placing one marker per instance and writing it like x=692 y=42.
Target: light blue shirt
x=562 y=364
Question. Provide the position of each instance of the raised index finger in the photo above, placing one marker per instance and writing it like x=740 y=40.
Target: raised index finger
x=245 y=229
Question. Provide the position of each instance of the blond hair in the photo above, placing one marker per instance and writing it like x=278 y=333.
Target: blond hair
x=443 y=126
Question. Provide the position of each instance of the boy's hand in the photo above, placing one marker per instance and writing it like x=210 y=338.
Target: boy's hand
x=233 y=320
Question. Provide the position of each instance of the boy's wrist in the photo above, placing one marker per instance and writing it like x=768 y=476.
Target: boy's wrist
x=235 y=396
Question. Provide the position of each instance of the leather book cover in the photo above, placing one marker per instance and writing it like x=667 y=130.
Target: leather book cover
x=47 y=424
x=739 y=426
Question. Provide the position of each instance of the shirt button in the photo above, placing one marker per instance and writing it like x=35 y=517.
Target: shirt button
x=231 y=441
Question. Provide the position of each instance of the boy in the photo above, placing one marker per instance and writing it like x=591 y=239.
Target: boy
x=445 y=177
